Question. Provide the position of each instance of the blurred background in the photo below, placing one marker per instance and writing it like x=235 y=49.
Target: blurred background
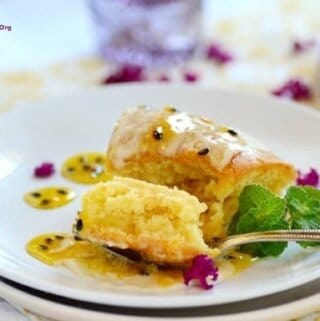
x=56 y=46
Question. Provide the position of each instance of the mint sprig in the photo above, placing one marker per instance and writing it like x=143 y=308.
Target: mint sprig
x=303 y=204
x=261 y=210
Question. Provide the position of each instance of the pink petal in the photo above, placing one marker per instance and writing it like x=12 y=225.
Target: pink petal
x=202 y=269
x=294 y=89
x=310 y=178
x=190 y=76
x=125 y=73
x=46 y=169
x=300 y=46
x=164 y=78
x=216 y=53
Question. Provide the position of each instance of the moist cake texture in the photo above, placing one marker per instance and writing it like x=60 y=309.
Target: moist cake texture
x=195 y=154
x=160 y=223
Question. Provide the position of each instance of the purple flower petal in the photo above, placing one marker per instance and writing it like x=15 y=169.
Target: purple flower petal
x=216 y=53
x=311 y=178
x=294 y=89
x=46 y=169
x=202 y=269
x=164 y=78
x=125 y=73
x=190 y=76
x=301 y=46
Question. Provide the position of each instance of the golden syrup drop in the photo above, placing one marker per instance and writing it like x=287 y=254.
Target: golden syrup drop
x=234 y=263
x=49 y=197
x=86 y=168
x=241 y=261
x=160 y=134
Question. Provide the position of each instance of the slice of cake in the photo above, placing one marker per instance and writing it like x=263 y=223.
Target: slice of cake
x=210 y=161
x=160 y=223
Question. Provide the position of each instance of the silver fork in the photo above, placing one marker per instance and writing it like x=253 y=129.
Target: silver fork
x=268 y=236
x=240 y=239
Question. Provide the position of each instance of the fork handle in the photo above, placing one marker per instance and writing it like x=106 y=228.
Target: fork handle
x=269 y=236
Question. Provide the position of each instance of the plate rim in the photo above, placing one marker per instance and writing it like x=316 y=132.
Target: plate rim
x=291 y=309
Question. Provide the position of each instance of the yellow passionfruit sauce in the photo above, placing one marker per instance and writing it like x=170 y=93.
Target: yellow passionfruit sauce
x=86 y=168
x=162 y=133
x=55 y=248
x=233 y=263
x=49 y=197
x=94 y=260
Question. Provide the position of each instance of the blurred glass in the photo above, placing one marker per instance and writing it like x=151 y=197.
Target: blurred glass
x=147 y=32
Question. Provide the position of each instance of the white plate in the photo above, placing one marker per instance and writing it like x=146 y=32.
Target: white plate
x=283 y=306
x=58 y=128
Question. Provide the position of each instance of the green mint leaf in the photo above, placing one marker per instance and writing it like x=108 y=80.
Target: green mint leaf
x=304 y=207
x=260 y=210
x=274 y=248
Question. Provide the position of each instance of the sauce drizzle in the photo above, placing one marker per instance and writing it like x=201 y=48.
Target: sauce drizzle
x=92 y=259
x=61 y=248
x=86 y=168
x=49 y=197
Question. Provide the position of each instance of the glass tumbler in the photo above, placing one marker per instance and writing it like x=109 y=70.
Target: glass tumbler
x=147 y=32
